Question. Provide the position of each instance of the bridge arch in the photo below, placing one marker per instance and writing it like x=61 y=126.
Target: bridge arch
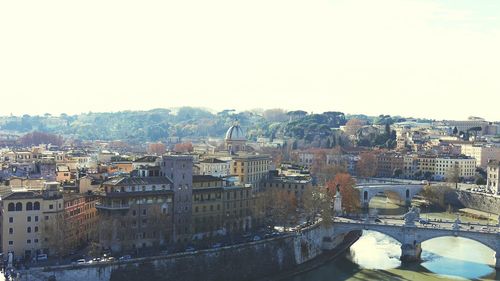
x=405 y=191
x=347 y=228
x=481 y=239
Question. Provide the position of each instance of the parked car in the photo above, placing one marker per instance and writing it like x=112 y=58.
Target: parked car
x=424 y=221
x=41 y=257
x=256 y=238
x=190 y=249
x=378 y=220
x=124 y=258
x=81 y=261
x=216 y=245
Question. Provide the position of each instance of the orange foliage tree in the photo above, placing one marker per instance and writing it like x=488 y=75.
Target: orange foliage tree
x=350 y=195
x=277 y=207
x=183 y=147
x=367 y=164
x=156 y=148
x=36 y=138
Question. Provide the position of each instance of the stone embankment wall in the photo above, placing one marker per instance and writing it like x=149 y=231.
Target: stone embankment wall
x=477 y=201
x=238 y=262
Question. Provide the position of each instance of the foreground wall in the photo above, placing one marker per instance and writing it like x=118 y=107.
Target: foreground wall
x=477 y=201
x=234 y=263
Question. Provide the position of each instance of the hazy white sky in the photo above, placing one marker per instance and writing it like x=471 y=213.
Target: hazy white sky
x=438 y=59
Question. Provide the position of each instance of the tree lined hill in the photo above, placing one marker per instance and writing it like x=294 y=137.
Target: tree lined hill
x=159 y=124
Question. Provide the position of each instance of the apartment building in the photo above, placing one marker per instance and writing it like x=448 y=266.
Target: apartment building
x=389 y=164
x=135 y=213
x=30 y=222
x=493 y=176
x=80 y=219
x=251 y=169
x=465 y=167
x=214 y=167
x=482 y=153
x=207 y=206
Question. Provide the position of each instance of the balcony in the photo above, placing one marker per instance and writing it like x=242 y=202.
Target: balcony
x=113 y=206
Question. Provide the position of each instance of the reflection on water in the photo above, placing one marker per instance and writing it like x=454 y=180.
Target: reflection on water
x=376 y=257
x=376 y=251
x=451 y=256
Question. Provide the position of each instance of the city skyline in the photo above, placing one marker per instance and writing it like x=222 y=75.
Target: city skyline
x=426 y=59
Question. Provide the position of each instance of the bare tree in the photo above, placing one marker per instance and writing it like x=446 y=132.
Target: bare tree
x=54 y=238
x=277 y=207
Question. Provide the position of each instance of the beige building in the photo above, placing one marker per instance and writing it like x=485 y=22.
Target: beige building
x=444 y=166
x=482 y=153
x=29 y=219
x=493 y=176
x=426 y=164
x=251 y=169
x=410 y=165
x=214 y=167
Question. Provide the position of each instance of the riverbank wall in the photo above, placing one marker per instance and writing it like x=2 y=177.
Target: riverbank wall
x=477 y=201
x=242 y=262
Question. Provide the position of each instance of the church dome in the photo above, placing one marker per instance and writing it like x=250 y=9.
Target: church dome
x=235 y=133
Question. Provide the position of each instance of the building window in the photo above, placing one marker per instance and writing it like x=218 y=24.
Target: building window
x=28 y=218
x=36 y=240
x=28 y=241
x=11 y=219
x=19 y=206
x=11 y=230
x=11 y=242
x=29 y=229
x=36 y=228
x=11 y=207
x=29 y=206
x=51 y=206
x=36 y=218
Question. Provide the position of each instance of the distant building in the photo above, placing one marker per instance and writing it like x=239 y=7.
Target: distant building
x=235 y=139
x=135 y=212
x=179 y=168
x=251 y=169
x=389 y=164
x=444 y=166
x=214 y=167
x=296 y=185
x=482 y=153
x=493 y=176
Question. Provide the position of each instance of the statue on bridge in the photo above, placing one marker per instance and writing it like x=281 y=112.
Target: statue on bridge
x=412 y=216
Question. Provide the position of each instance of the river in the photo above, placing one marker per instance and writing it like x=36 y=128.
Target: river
x=375 y=256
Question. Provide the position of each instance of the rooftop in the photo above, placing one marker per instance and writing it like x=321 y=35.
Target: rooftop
x=119 y=181
x=148 y=159
x=212 y=160
x=205 y=178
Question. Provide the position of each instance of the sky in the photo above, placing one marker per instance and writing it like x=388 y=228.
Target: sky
x=427 y=58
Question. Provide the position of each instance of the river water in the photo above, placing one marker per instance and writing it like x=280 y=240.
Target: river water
x=375 y=256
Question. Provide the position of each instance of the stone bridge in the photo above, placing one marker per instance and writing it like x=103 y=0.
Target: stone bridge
x=412 y=236
x=405 y=191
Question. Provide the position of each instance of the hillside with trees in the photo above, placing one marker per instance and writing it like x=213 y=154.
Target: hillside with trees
x=316 y=130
